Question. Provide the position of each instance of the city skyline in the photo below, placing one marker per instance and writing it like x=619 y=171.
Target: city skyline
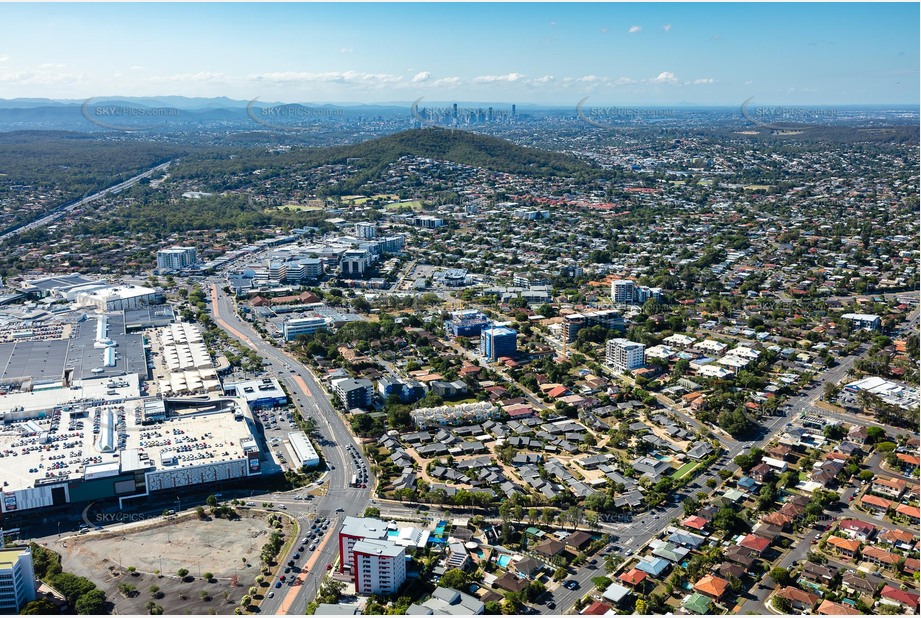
x=542 y=54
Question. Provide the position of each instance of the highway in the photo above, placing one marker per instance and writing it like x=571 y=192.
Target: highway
x=61 y=211
x=312 y=402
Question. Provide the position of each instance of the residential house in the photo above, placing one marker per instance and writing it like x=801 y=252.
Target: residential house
x=549 y=548
x=844 y=547
x=755 y=544
x=528 y=567
x=578 y=540
x=712 y=586
x=799 y=599
x=728 y=570
x=740 y=556
x=889 y=487
x=912 y=513
x=634 y=578
x=857 y=529
x=817 y=573
x=615 y=593
x=830 y=608
x=596 y=608
x=697 y=603
x=875 y=504
x=670 y=552
x=510 y=583
x=685 y=539
x=761 y=473
x=860 y=583
x=778 y=519
x=902 y=539
x=879 y=556
x=695 y=522
x=902 y=598
x=654 y=566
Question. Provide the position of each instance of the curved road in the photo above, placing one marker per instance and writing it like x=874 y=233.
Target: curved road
x=311 y=401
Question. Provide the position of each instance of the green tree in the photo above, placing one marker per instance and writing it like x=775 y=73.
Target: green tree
x=92 y=602
x=454 y=578
x=601 y=582
x=39 y=607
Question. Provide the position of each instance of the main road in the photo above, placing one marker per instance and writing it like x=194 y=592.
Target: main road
x=62 y=210
x=340 y=499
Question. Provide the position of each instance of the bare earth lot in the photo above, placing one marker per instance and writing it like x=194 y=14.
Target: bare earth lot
x=217 y=546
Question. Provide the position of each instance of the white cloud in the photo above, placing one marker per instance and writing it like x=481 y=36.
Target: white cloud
x=348 y=78
x=4 y=58
x=634 y=29
x=605 y=29
x=667 y=27
x=666 y=77
x=424 y=76
x=447 y=82
x=200 y=76
x=41 y=77
x=137 y=67
x=705 y=80
x=489 y=79
x=546 y=79
x=346 y=50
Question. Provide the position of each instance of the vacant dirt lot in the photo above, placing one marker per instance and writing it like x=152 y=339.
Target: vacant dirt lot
x=216 y=546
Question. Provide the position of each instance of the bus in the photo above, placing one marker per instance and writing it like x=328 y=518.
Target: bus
x=354 y=482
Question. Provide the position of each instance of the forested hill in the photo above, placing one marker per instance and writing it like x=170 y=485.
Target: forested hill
x=466 y=148
x=370 y=159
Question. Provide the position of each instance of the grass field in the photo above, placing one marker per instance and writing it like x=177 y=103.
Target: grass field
x=414 y=204
x=684 y=470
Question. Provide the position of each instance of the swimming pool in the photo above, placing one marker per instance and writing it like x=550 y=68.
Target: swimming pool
x=662 y=457
x=503 y=560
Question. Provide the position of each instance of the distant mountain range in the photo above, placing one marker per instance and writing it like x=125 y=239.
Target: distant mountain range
x=183 y=114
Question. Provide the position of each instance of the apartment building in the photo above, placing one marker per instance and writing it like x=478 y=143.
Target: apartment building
x=624 y=355
x=379 y=567
x=17 y=579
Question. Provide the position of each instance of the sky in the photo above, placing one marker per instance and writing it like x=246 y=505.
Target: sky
x=540 y=53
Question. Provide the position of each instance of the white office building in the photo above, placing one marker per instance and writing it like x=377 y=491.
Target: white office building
x=17 y=579
x=303 y=326
x=624 y=355
x=379 y=567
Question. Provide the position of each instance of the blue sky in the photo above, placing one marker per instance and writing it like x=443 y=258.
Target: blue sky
x=543 y=53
